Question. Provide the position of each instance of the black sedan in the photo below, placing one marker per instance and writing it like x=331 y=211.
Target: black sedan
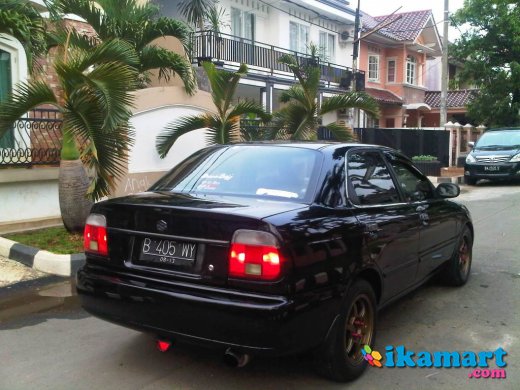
x=272 y=249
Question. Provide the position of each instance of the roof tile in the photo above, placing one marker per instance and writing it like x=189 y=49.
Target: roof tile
x=406 y=26
x=457 y=98
x=384 y=96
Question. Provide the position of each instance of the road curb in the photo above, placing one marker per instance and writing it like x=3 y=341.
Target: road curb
x=448 y=179
x=40 y=260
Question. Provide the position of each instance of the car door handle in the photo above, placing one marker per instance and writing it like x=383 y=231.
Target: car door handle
x=421 y=209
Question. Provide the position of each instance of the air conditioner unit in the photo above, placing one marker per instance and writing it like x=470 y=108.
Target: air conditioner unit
x=345 y=36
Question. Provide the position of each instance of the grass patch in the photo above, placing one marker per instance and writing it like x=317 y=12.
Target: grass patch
x=55 y=239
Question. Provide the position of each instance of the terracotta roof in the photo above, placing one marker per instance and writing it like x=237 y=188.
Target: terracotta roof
x=458 y=98
x=384 y=96
x=370 y=22
x=406 y=26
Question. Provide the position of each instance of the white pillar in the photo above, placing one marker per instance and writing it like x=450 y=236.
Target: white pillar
x=449 y=127
x=458 y=128
x=469 y=128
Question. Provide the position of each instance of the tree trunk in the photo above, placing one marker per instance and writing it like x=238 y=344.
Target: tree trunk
x=73 y=184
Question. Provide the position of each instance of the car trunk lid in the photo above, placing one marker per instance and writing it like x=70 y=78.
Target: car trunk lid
x=180 y=235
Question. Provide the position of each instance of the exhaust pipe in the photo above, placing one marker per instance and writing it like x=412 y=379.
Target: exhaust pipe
x=234 y=358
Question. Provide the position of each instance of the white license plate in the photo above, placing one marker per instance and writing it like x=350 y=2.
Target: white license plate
x=167 y=252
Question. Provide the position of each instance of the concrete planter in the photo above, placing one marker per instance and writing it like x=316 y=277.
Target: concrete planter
x=429 y=168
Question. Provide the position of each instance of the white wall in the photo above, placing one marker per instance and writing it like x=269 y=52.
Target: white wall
x=148 y=124
x=272 y=24
x=28 y=195
x=22 y=201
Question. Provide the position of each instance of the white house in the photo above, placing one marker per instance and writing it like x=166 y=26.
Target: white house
x=258 y=32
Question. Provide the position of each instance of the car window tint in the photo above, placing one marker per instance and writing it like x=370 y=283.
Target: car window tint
x=260 y=171
x=369 y=180
x=413 y=185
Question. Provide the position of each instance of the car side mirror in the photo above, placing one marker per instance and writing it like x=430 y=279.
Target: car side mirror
x=448 y=190
x=471 y=144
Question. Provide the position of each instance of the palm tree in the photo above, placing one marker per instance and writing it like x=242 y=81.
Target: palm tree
x=21 y=20
x=222 y=127
x=137 y=23
x=94 y=100
x=196 y=11
x=301 y=117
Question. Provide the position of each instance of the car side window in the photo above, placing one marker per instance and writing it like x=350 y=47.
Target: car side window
x=369 y=180
x=414 y=186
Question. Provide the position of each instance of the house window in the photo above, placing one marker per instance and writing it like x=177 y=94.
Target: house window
x=7 y=140
x=373 y=67
x=411 y=70
x=299 y=37
x=242 y=24
x=327 y=46
x=390 y=71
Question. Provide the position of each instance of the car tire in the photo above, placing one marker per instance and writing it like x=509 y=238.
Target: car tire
x=341 y=357
x=458 y=268
x=471 y=181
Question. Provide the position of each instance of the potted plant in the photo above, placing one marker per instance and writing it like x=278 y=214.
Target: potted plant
x=429 y=165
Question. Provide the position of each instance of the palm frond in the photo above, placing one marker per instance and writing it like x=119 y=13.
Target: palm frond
x=60 y=36
x=297 y=93
x=223 y=85
x=169 y=64
x=223 y=132
x=164 y=27
x=216 y=19
x=194 y=11
x=341 y=133
x=113 y=50
x=24 y=98
x=87 y=9
x=110 y=84
x=249 y=107
x=306 y=130
x=19 y=18
x=106 y=149
x=292 y=63
x=178 y=128
x=359 y=100
x=289 y=119
x=312 y=79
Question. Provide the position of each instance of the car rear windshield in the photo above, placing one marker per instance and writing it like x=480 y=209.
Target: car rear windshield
x=282 y=172
x=505 y=139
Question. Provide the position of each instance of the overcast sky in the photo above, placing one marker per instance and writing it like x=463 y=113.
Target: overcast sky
x=385 y=7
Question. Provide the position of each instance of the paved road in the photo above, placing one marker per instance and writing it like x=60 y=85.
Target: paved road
x=47 y=342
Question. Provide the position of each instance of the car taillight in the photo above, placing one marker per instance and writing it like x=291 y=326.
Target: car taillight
x=254 y=255
x=95 y=235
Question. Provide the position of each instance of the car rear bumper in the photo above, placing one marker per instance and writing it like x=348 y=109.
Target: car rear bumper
x=253 y=323
x=481 y=171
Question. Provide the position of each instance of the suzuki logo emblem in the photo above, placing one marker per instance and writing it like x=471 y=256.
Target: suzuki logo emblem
x=162 y=225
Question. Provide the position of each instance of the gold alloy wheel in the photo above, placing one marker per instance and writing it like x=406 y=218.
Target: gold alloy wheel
x=464 y=257
x=359 y=328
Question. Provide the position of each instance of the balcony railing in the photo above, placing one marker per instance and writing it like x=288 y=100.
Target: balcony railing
x=33 y=140
x=230 y=51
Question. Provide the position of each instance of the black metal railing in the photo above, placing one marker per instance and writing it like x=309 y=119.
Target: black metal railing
x=262 y=58
x=256 y=130
x=33 y=140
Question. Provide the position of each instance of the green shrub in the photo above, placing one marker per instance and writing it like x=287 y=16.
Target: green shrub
x=424 y=158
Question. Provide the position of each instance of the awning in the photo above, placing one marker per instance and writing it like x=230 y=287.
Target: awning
x=417 y=106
